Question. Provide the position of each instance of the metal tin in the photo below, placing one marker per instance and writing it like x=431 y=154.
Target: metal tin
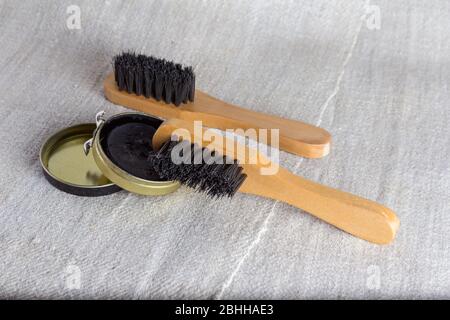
x=114 y=170
x=66 y=166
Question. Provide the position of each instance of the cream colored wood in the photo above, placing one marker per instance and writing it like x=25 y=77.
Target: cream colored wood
x=295 y=136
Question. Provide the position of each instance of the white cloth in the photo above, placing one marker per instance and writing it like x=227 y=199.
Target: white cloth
x=382 y=92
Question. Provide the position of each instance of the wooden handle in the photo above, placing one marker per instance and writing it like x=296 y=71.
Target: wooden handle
x=294 y=136
x=360 y=217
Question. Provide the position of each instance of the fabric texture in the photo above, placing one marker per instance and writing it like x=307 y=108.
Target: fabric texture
x=375 y=74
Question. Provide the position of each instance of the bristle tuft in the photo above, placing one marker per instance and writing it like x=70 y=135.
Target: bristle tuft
x=152 y=77
x=216 y=175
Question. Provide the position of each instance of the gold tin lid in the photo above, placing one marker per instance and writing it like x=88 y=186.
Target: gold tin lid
x=114 y=165
x=66 y=166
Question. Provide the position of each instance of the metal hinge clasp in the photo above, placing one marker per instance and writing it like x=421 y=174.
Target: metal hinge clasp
x=99 y=119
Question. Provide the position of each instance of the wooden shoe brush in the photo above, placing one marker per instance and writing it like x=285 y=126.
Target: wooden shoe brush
x=360 y=217
x=167 y=90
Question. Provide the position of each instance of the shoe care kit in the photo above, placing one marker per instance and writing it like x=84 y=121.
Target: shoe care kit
x=134 y=151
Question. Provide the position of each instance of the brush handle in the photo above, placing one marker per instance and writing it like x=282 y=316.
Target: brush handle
x=294 y=136
x=360 y=217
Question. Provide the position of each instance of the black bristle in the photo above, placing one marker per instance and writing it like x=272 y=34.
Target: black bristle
x=153 y=77
x=215 y=178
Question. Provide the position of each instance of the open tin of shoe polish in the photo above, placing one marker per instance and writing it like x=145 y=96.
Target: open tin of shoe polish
x=117 y=149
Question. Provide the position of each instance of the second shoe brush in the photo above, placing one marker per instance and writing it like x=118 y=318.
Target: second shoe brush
x=167 y=90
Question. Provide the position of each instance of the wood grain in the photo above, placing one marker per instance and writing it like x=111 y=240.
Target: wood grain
x=294 y=136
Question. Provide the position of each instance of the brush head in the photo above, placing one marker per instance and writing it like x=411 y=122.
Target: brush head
x=153 y=77
x=214 y=174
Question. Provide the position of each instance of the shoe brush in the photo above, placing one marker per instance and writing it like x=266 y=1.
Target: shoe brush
x=167 y=90
x=360 y=217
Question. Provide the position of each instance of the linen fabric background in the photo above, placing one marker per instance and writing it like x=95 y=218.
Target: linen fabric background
x=373 y=73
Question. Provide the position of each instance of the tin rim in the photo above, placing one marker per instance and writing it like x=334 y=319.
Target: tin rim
x=121 y=177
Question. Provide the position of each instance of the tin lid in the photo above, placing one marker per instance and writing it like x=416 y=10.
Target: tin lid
x=121 y=147
x=66 y=166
